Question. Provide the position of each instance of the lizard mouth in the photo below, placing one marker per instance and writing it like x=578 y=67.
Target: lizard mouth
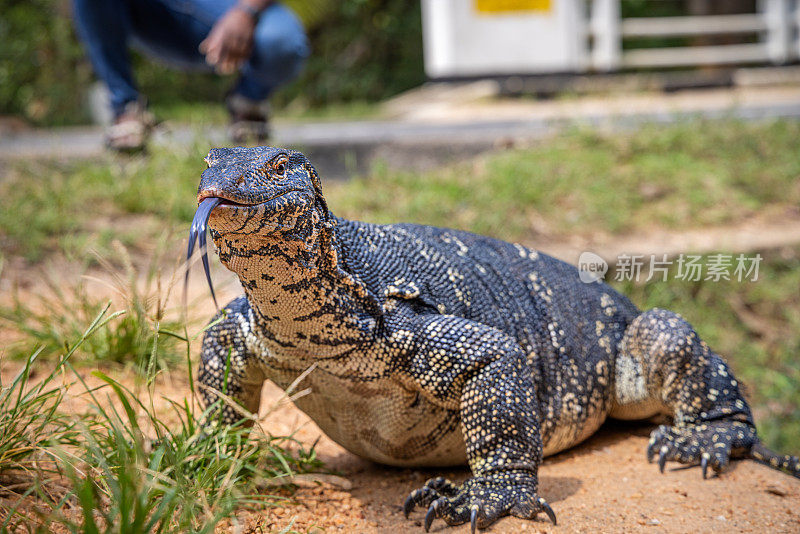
x=219 y=195
x=197 y=233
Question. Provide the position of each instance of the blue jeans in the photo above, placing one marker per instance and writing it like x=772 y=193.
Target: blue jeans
x=171 y=30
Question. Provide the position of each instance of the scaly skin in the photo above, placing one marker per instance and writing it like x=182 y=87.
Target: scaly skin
x=437 y=347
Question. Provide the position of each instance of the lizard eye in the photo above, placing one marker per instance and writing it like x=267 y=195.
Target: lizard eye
x=280 y=167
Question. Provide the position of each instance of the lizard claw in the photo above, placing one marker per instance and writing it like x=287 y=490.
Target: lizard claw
x=473 y=519
x=651 y=450
x=549 y=511
x=480 y=501
x=422 y=496
x=430 y=515
x=704 y=465
x=709 y=445
x=408 y=505
x=662 y=458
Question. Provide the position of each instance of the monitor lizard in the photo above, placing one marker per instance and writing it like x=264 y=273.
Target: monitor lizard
x=438 y=347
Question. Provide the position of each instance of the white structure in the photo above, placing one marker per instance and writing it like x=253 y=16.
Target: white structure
x=464 y=38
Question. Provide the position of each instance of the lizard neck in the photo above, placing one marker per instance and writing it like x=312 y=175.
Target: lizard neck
x=305 y=302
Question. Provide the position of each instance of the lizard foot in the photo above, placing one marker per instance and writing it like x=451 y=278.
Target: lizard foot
x=710 y=444
x=480 y=500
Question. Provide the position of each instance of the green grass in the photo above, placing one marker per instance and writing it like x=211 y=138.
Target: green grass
x=191 y=478
x=52 y=319
x=127 y=468
x=680 y=176
x=33 y=429
x=71 y=207
x=30 y=422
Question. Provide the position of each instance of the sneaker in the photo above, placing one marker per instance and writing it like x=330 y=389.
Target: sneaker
x=131 y=128
x=249 y=119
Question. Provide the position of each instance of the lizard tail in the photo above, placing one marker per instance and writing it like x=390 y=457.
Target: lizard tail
x=782 y=462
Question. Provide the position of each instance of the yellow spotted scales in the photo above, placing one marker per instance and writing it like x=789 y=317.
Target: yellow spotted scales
x=436 y=347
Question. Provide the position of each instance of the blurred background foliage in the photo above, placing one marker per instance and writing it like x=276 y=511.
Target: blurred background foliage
x=363 y=50
x=43 y=74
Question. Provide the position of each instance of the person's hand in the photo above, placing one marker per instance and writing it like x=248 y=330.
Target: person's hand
x=230 y=41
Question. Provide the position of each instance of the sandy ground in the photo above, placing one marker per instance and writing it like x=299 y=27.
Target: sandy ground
x=603 y=485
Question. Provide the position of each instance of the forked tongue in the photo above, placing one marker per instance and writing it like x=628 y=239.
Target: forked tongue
x=198 y=232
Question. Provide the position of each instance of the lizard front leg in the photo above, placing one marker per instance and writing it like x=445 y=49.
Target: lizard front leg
x=226 y=365
x=483 y=373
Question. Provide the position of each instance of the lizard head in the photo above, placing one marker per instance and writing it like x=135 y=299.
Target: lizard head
x=255 y=193
x=259 y=190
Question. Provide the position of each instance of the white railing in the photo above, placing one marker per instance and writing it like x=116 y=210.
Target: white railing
x=698 y=25
x=774 y=23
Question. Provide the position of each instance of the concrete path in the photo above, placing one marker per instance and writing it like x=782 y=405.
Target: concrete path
x=436 y=124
